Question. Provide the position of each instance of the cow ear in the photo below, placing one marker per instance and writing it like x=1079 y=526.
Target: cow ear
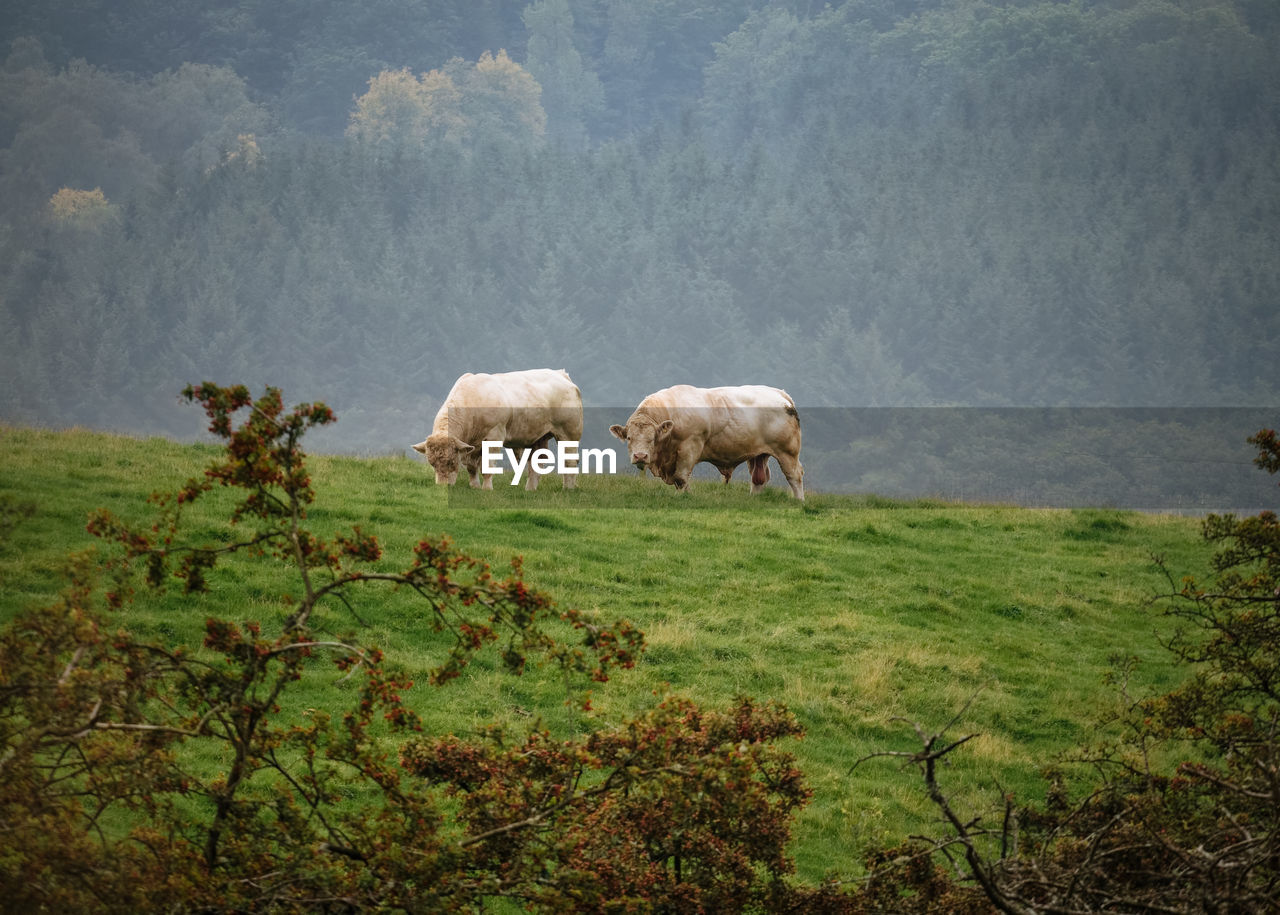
x=619 y=432
x=421 y=447
x=461 y=445
x=665 y=427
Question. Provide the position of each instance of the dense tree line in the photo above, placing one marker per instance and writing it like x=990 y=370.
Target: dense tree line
x=868 y=203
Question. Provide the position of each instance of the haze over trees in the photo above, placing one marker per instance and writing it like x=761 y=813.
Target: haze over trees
x=874 y=202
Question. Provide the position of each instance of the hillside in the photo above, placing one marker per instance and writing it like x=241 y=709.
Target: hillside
x=851 y=610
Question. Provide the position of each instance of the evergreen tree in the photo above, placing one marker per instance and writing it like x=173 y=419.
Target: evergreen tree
x=572 y=95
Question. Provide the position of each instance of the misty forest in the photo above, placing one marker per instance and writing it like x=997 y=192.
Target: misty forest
x=868 y=203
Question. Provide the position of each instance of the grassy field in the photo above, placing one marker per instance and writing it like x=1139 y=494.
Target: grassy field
x=850 y=610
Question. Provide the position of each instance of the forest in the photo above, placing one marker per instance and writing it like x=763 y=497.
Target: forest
x=869 y=203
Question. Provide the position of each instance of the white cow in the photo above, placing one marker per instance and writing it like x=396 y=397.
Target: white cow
x=520 y=409
x=678 y=427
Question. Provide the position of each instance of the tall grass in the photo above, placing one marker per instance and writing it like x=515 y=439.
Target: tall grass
x=853 y=611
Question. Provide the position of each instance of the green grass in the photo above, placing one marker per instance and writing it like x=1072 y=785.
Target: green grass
x=852 y=611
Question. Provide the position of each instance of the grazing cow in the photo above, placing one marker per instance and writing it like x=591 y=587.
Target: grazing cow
x=678 y=427
x=520 y=409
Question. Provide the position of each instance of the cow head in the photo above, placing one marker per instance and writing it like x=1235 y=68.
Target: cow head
x=644 y=437
x=443 y=452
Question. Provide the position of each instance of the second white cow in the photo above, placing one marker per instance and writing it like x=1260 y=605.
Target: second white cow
x=675 y=428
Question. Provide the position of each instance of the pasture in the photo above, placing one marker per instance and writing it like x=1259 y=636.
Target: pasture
x=851 y=610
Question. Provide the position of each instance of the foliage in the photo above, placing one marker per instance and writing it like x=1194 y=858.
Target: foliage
x=400 y=107
x=83 y=126
x=82 y=209
x=493 y=97
x=246 y=153
x=680 y=810
x=505 y=98
x=145 y=776
x=1183 y=811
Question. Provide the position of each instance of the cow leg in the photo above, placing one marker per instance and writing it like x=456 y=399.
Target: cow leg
x=794 y=472
x=570 y=430
x=759 y=472
x=686 y=460
x=727 y=473
x=531 y=484
x=569 y=480
x=530 y=475
x=473 y=474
